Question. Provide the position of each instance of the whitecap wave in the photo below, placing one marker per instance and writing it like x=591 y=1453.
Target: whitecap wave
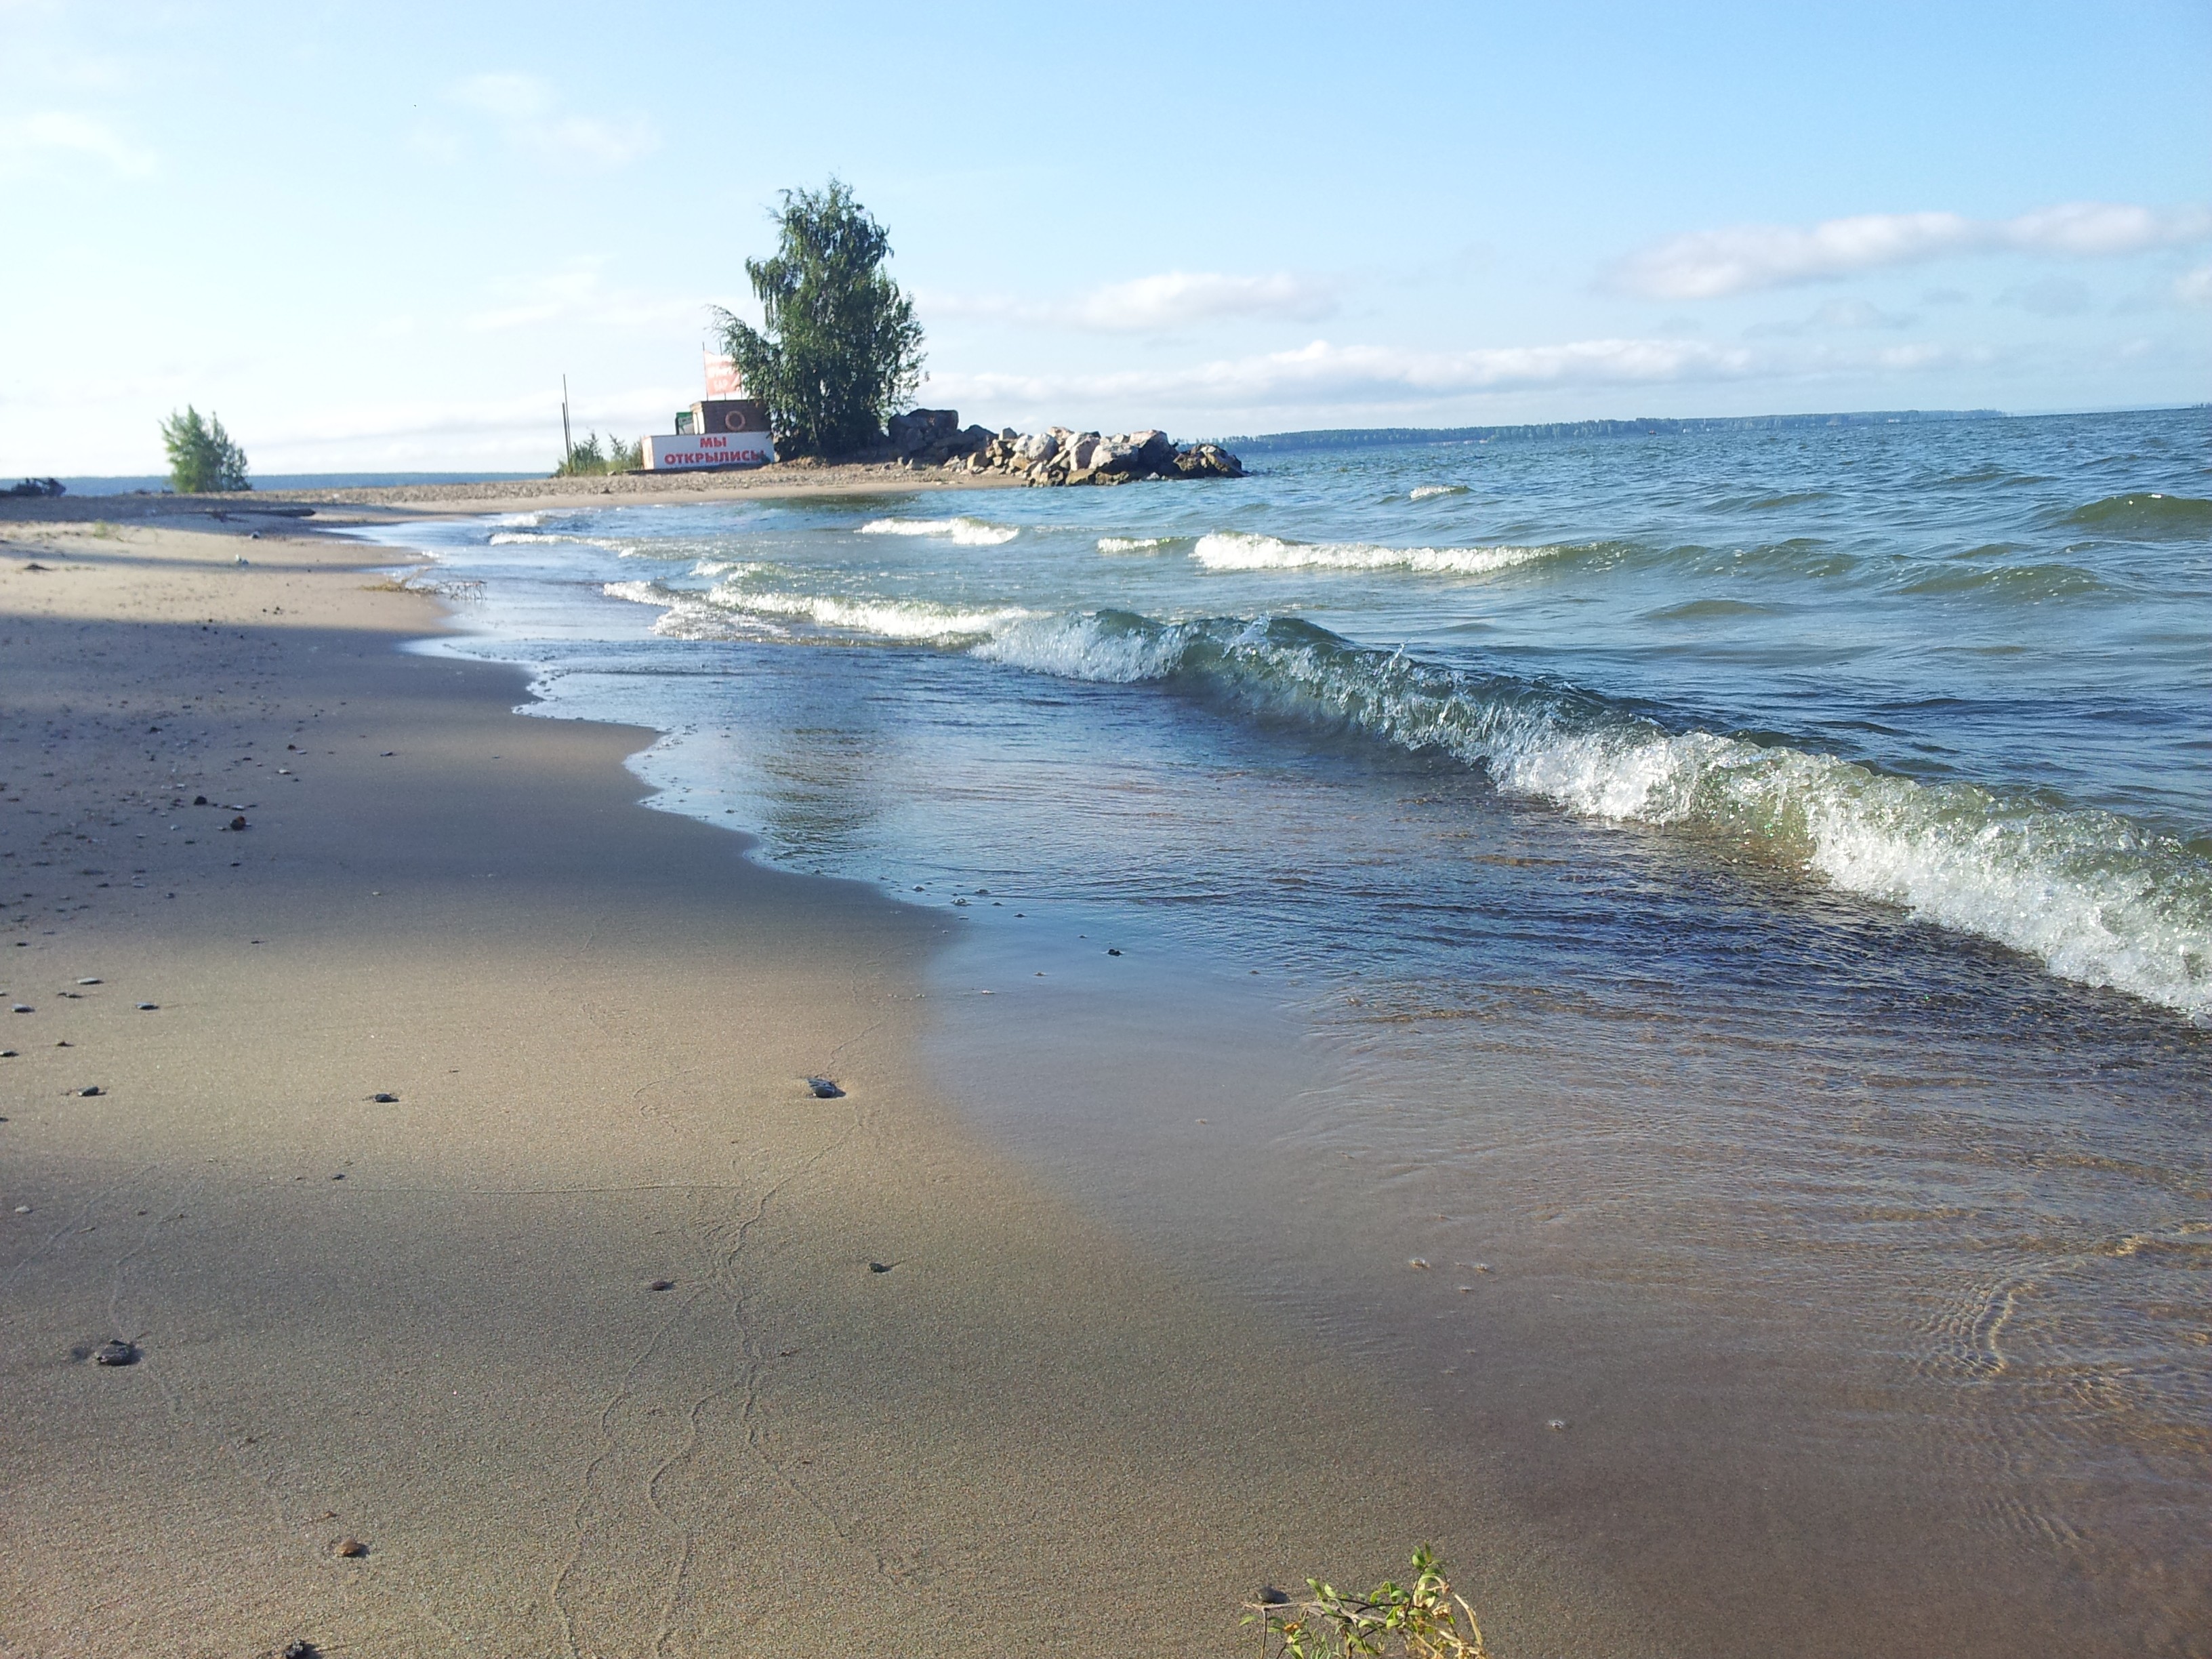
x=1108 y=646
x=968 y=532
x=1237 y=550
x=883 y=618
x=1425 y=492
x=518 y=537
x=2098 y=898
x=1133 y=543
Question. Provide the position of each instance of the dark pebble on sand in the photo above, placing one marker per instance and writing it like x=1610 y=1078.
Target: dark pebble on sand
x=340 y=1175
x=89 y=1093
x=662 y=1285
x=385 y=1100
x=23 y=1008
x=6 y=1054
x=880 y=1267
x=351 y=1548
x=199 y=800
x=88 y=982
x=238 y=823
x=148 y=1007
x=117 y=1352
x=299 y=1651
x=1111 y=951
x=824 y=1089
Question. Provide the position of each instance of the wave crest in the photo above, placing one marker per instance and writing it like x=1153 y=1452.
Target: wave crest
x=968 y=532
x=2100 y=899
x=1238 y=549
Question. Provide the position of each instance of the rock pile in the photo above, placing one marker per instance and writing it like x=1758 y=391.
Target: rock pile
x=934 y=437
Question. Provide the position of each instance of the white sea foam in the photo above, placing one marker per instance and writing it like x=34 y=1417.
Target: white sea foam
x=1132 y=543
x=1423 y=492
x=1237 y=550
x=518 y=537
x=886 y=619
x=2099 y=899
x=1086 y=649
x=968 y=532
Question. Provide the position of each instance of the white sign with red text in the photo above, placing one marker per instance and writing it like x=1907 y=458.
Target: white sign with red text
x=692 y=449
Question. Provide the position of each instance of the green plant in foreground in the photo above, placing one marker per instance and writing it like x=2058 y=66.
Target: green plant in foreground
x=1423 y=1617
x=201 y=457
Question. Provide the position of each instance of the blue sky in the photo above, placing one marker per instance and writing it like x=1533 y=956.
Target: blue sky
x=377 y=236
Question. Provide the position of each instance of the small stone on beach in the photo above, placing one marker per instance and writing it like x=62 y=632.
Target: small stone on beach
x=880 y=1267
x=148 y=1007
x=662 y=1285
x=88 y=982
x=117 y=1352
x=385 y=1100
x=22 y=1209
x=351 y=1549
x=1417 y=1262
x=89 y=1093
x=23 y=1008
x=340 y=1175
x=1557 y=1425
x=824 y=1089
x=1111 y=951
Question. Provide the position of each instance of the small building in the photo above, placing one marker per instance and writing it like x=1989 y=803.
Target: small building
x=715 y=432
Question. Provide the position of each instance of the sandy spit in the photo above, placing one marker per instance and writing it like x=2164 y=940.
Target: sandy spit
x=603 y=1335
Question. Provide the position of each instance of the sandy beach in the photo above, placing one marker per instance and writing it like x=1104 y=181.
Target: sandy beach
x=603 y=1335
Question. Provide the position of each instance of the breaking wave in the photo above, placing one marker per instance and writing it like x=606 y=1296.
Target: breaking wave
x=1423 y=492
x=732 y=611
x=2099 y=898
x=1237 y=550
x=1134 y=543
x=968 y=532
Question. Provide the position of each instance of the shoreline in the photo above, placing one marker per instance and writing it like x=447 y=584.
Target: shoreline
x=396 y=503
x=431 y=1323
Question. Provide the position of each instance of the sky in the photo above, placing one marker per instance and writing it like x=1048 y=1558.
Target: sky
x=376 y=237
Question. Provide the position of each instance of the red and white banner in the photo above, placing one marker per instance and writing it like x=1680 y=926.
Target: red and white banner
x=723 y=380
x=696 y=449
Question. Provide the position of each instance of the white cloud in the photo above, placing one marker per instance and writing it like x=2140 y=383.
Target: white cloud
x=1365 y=380
x=578 y=291
x=28 y=141
x=1159 y=304
x=1175 y=299
x=527 y=113
x=2194 y=288
x=1834 y=314
x=1377 y=374
x=1709 y=265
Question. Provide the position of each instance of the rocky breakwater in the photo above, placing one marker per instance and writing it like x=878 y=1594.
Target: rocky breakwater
x=935 y=438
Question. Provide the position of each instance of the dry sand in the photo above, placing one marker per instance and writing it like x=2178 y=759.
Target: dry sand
x=898 y=1397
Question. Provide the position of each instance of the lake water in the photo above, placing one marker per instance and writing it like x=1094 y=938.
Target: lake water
x=1703 y=939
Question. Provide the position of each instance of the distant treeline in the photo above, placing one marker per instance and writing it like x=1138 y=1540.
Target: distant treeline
x=1380 y=436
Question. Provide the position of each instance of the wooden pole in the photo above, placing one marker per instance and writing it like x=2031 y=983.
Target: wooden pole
x=567 y=443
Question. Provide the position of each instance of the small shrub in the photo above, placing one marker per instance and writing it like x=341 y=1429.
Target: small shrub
x=1424 y=1620
x=588 y=460
x=201 y=457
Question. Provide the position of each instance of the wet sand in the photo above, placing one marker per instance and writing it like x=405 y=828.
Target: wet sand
x=894 y=1395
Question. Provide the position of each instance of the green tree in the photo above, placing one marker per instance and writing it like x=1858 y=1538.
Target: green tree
x=201 y=457
x=842 y=351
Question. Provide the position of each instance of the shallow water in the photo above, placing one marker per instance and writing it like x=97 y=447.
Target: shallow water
x=1751 y=892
